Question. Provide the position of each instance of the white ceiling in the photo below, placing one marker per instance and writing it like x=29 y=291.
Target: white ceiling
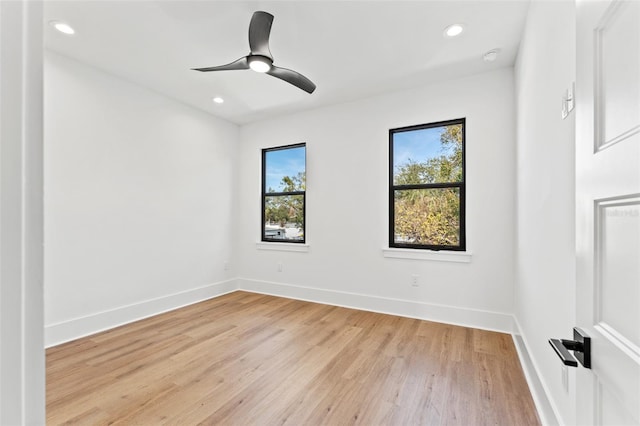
x=349 y=49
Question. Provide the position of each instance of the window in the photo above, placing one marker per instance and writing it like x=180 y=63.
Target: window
x=427 y=186
x=283 y=193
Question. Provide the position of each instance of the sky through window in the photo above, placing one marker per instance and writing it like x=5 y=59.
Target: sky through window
x=281 y=163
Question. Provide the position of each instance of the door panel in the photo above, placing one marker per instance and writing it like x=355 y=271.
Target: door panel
x=614 y=413
x=608 y=209
x=618 y=267
x=616 y=73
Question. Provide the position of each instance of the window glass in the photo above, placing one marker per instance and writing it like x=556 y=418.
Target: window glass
x=427 y=186
x=285 y=169
x=427 y=216
x=284 y=193
x=430 y=155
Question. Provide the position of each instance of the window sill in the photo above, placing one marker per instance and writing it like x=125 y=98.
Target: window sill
x=440 y=256
x=295 y=247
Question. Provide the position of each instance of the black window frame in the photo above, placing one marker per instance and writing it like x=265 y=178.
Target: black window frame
x=266 y=194
x=460 y=185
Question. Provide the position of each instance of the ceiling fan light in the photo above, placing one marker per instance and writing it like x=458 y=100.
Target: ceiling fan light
x=259 y=64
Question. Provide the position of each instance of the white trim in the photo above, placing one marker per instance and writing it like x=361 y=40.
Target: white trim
x=297 y=247
x=22 y=356
x=414 y=254
x=486 y=320
x=619 y=341
x=75 y=328
x=547 y=410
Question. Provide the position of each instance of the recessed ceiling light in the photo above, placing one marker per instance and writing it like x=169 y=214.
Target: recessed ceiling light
x=63 y=27
x=453 y=30
x=218 y=100
x=491 y=55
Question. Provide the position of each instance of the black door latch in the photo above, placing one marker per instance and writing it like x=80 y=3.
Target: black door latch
x=580 y=345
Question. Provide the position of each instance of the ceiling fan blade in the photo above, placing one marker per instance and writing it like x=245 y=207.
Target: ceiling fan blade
x=240 y=64
x=293 y=77
x=259 y=30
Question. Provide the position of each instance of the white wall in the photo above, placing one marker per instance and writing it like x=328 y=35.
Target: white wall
x=347 y=205
x=22 y=382
x=138 y=201
x=545 y=288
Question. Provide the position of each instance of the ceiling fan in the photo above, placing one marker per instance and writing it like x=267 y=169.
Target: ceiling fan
x=260 y=59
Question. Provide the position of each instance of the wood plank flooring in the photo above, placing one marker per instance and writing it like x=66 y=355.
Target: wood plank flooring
x=251 y=359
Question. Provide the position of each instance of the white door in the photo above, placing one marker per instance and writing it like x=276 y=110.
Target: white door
x=608 y=209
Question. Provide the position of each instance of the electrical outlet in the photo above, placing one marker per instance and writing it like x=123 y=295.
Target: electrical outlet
x=414 y=281
x=279 y=266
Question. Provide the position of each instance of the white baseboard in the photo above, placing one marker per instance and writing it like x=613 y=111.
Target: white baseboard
x=75 y=328
x=546 y=410
x=494 y=321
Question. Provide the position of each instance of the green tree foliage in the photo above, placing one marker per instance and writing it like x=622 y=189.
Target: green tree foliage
x=428 y=216
x=294 y=183
x=431 y=216
x=283 y=209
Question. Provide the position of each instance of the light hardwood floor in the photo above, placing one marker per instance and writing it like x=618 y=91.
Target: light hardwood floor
x=250 y=359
